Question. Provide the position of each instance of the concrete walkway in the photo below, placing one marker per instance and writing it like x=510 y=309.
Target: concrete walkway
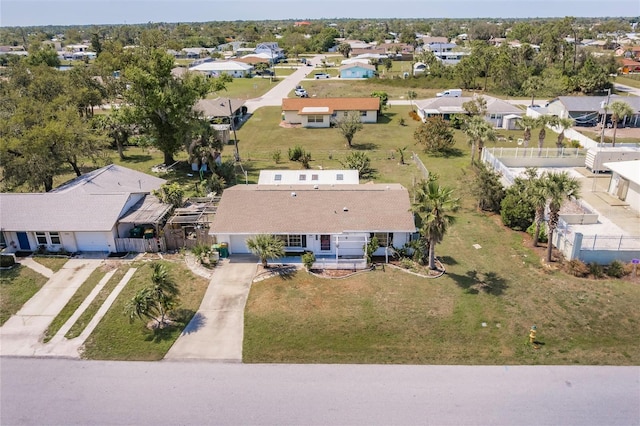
x=217 y=329
x=22 y=333
x=38 y=267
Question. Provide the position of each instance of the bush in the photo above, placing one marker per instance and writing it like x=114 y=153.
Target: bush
x=296 y=153
x=543 y=237
x=407 y=263
x=616 y=269
x=7 y=260
x=596 y=270
x=276 y=156
x=577 y=268
x=308 y=259
x=516 y=213
x=414 y=115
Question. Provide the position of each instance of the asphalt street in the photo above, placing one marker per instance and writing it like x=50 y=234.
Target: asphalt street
x=72 y=392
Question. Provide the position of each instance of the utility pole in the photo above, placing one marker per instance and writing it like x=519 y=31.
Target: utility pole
x=605 y=107
x=233 y=127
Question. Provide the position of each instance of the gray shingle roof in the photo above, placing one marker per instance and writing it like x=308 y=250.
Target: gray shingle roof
x=257 y=209
x=447 y=105
x=110 y=179
x=594 y=103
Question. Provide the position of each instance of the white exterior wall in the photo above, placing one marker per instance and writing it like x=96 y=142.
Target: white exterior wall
x=370 y=117
x=326 y=122
x=633 y=191
x=95 y=241
x=291 y=117
x=68 y=240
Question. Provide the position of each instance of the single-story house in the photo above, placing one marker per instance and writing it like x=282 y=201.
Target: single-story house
x=357 y=70
x=588 y=110
x=90 y=213
x=365 y=58
x=446 y=107
x=333 y=222
x=219 y=110
x=320 y=112
x=629 y=66
x=308 y=177
x=625 y=182
x=215 y=68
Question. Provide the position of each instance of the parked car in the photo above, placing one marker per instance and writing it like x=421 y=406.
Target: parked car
x=320 y=75
x=264 y=72
x=301 y=93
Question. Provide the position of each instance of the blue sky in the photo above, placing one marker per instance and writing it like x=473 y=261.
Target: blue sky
x=74 y=12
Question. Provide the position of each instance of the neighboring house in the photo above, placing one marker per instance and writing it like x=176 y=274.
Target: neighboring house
x=320 y=112
x=334 y=222
x=93 y=212
x=629 y=66
x=420 y=68
x=357 y=70
x=219 y=110
x=426 y=40
x=588 y=110
x=308 y=177
x=216 y=68
x=365 y=58
x=272 y=49
x=497 y=109
x=625 y=182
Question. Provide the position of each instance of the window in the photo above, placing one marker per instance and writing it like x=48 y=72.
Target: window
x=363 y=113
x=339 y=176
x=55 y=237
x=277 y=177
x=315 y=119
x=314 y=177
x=325 y=242
x=385 y=239
x=302 y=177
x=294 y=240
x=41 y=238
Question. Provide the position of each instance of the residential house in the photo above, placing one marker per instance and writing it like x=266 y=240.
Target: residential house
x=308 y=177
x=498 y=111
x=357 y=70
x=321 y=112
x=216 y=68
x=272 y=49
x=625 y=182
x=629 y=66
x=221 y=112
x=335 y=222
x=94 y=212
x=588 y=110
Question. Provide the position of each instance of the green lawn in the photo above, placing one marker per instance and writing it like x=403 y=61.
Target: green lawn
x=17 y=285
x=116 y=338
x=53 y=263
x=629 y=80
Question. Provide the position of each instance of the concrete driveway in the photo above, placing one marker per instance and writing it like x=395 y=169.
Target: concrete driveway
x=217 y=329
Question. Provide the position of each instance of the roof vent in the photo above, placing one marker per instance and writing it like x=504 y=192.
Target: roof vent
x=344 y=209
x=293 y=194
x=315 y=186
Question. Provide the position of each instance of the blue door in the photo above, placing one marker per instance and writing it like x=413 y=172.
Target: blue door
x=23 y=241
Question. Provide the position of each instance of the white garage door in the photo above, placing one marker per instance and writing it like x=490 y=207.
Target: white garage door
x=238 y=245
x=91 y=241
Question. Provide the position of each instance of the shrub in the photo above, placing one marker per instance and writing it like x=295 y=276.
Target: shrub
x=414 y=115
x=305 y=159
x=515 y=212
x=575 y=144
x=296 y=153
x=401 y=122
x=276 y=156
x=596 y=270
x=359 y=161
x=543 y=237
x=7 y=260
x=407 y=263
x=308 y=259
x=616 y=269
x=577 y=268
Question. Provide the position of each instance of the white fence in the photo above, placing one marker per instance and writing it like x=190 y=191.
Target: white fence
x=353 y=264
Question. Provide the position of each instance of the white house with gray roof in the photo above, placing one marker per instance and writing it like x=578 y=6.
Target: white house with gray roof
x=588 y=110
x=497 y=110
x=332 y=221
x=89 y=213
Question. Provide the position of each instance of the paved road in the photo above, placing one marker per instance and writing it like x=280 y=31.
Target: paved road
x=626 y=89
x=70 y=392
x=217 y=329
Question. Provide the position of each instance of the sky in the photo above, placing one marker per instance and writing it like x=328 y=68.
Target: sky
x=95 y=12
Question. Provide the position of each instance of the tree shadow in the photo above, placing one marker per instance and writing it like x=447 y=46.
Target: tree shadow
x=386 y=117
x=286 y=272
x=158 y=335
x=448 y=153
x=448 y=260
x=475 y=282
x=137 y=158
x=365 y=146
x=196 y=323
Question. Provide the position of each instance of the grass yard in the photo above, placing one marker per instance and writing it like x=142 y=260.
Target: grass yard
x=246 y=88
x=397 y=318
x=53 y=263
x=116 y=338
x=632 y=80
x=17 y=285
x=79 y=296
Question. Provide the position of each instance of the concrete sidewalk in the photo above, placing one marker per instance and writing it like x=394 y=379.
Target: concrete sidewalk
x=217 y=329
x=22 y=333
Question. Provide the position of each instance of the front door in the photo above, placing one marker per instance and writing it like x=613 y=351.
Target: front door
x=325 y=242
x=23 y=241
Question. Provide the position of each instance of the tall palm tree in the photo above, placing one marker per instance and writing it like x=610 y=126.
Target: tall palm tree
x=558 y=187
x=542 y=122
x=535 y=193
x=266 y=247
x=527 y=123
x=478 y=131
x=155 y=301
x=619 y=110
x=563 y=124
x=434 y=205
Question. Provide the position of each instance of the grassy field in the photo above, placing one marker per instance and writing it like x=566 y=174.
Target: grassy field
x=78 y=297
x=116 y=338
x=53 y=263
x=629 y=80
x=17 y=285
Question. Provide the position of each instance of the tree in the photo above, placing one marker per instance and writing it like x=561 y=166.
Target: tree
x=266 y=247
x=117 y=125
x=542 y=123
x=516 y=210
x=384 y=98
x=558 y=187
x=535 y=195
x=619 y=110
x=163 y=104
x=478 y=132
x=157 y=300
x=171 y=193
x=344 y=49
x=361 y=162
x=527 y=123
x=412 y=95
x=436 y=135
x=485 y=186
x=563 y=124
x=476 y=106
x=434 y=205
x=533 y=85
x=349 y=125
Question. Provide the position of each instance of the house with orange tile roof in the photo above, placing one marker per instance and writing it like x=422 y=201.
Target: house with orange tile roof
x=321 y=112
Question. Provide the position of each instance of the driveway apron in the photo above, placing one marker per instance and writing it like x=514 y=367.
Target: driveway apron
x=217 y=329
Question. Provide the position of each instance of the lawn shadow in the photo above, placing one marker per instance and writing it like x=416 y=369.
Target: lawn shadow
x=136 y=158
x=386 y=117
x=474 y=282
x=448 y=153
x=158 y=335
x=448 y=260
x=365 y=146
x=286 y=272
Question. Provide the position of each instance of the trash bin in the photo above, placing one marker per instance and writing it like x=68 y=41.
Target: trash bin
x=224 y=250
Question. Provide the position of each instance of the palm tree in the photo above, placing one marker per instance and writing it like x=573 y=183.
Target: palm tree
x=156 y=300
x=433 y=204
x=563 y=124
x=527 y=123
x=266 y=247
x=557 y=187
x=533 y=85
x=536 y=195
x=619 y=110
x=543 y=121
x=479 y=131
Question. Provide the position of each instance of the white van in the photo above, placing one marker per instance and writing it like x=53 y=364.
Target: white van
x=451 y=93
